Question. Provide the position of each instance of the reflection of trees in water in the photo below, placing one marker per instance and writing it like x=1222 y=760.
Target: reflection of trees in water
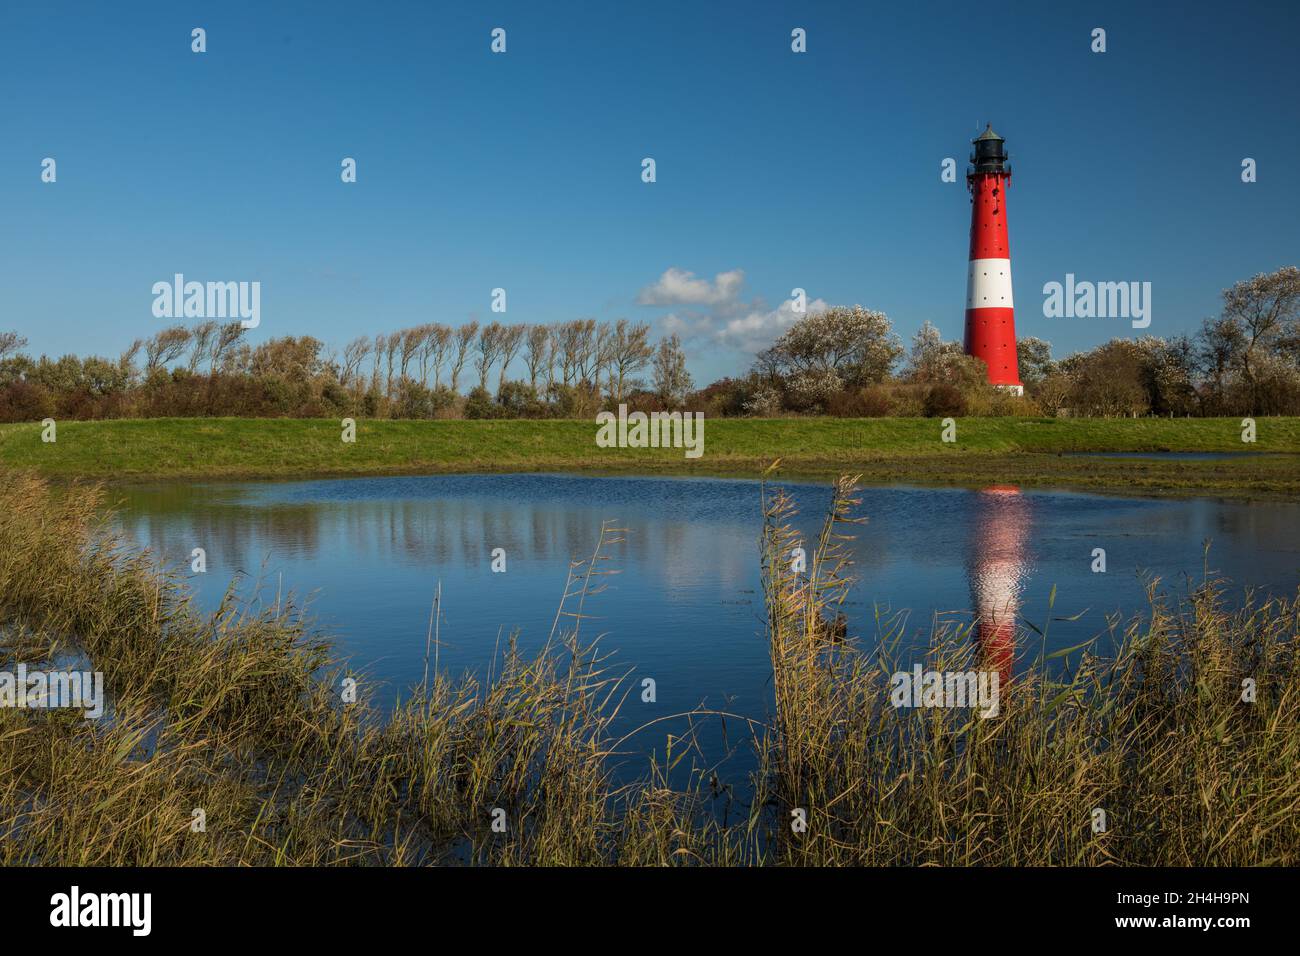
x=235 y=533
x=539 y=539
x=1264 y=524
x=471 y=537
x=428 y=532
x=667 y=543
x=695 y=542
x=996 y=567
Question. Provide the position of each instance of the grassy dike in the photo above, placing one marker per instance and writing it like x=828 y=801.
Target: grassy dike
x=1027 y=451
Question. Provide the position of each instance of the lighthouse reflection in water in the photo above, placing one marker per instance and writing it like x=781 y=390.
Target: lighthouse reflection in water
x=996 y=567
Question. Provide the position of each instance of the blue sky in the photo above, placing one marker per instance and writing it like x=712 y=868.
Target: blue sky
x=522 y=170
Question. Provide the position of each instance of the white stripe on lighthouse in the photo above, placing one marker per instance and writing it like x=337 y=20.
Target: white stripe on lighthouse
x=988 y=284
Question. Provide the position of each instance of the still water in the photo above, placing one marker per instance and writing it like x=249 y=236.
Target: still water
x=686 y=608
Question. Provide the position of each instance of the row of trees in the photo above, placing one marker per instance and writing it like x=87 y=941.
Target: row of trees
x=568 y=369
x=841 y=361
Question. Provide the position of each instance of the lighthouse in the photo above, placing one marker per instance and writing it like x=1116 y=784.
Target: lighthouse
x=990 y=311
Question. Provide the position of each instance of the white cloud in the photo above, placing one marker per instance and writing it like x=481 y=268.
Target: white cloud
x=688 y=325
x=759 y=328
x=679 y=287
x=720 y=317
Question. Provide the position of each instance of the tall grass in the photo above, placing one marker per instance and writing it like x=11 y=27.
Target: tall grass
x=239 y=713
x=1156 y=736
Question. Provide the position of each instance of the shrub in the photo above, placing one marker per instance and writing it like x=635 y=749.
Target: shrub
x=873 y=401
x=574 y=401
x=944 y=401
x=479 y=404
x=808 y=391
x=25 y=402
x=445 y=402
x=519 y=400
x=727 y=396
x=646 y=401
x=412 y=401
x=763 y=402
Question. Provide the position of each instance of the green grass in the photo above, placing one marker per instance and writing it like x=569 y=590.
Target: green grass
x=1027 y=451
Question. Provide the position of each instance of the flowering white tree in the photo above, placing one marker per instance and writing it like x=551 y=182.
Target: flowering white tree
x=1266 y=310
x=847 y=346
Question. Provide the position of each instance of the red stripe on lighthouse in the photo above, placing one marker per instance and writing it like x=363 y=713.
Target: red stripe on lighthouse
x=991 y=336
x=988 y=220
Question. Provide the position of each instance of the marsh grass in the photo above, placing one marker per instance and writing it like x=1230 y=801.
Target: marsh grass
x=238 y=712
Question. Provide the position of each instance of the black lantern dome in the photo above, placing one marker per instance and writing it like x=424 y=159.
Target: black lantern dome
x=990 y=154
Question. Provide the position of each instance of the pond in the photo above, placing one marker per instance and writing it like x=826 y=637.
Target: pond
x=686 y=608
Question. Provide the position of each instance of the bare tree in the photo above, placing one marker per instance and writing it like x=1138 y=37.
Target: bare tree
x=602 y=347
x=436 y=343
x=489 y=349
x=588 y=355
x=1266 y=308
x=165 y=346
x=410 y=344
x=11 y=342
x=391 y=345
x=380 y=347
x=354 y=353
x=672 y=381
x=464 y=338
x=568 y=345
x=553 y=361
x=1220 y=342
x=201 y=343
x=329 y=363
x=511 y=339
x=126 y=361
x=538 y=355
x=223 y=344
x=629 y=352
x=426 y=347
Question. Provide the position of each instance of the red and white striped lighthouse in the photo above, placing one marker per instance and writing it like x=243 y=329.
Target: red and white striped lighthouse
x=990 y=311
